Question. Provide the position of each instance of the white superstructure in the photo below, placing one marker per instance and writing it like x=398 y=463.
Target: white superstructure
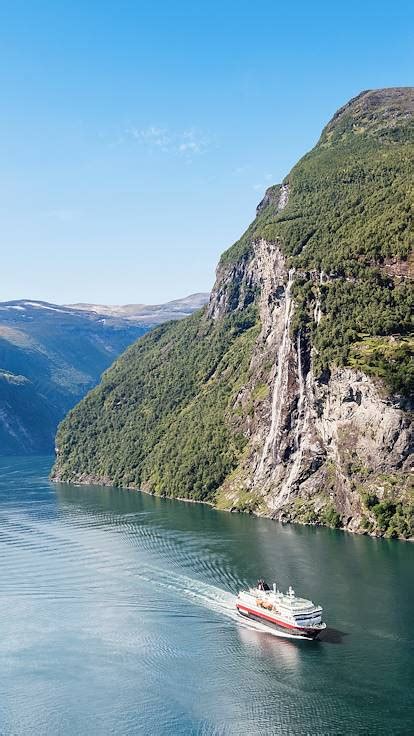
x=283 y=611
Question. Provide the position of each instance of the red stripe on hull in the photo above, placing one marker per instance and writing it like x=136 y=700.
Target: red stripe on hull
x=273 y=620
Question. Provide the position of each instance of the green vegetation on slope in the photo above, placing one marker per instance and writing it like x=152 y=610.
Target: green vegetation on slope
x=163 y=415
x=350 y=209
x=50 y=356
x=160 y=418
x=390 y=517
x=387 y=357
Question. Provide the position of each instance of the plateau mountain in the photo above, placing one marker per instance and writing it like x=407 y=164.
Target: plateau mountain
x=291 y=393
x=152 y=314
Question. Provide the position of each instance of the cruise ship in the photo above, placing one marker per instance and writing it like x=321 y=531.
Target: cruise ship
x=282 y=612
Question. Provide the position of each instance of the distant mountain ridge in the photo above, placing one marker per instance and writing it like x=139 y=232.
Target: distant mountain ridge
x=51 y=355
x=156 y=313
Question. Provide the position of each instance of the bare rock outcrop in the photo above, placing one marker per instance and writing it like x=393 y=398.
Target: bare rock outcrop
x=312 y=439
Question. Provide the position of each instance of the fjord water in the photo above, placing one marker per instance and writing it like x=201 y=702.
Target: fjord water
x=116 y=617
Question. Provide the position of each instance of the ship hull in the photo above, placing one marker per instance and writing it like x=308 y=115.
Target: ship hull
x=276 y=625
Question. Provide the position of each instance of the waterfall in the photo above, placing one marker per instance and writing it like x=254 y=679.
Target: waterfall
x=301 y=399
x=317 y=312
x=280 y=381
x=300 y=424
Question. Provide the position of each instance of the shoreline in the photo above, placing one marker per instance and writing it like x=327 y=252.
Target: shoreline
x=101 y=482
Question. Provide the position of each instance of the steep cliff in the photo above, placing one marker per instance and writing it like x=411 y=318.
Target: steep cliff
x=291 y=393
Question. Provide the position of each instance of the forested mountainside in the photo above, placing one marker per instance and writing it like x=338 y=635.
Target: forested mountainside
x=291 y=393
x=50 y=356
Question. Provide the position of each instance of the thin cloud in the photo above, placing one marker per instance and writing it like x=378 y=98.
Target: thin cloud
x=187 y=142
x=152 y=136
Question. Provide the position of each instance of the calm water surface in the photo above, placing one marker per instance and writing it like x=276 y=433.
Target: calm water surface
x=116 y=617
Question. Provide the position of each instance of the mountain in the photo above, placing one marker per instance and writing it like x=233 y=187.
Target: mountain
x=290 y=395
x=153 y=314
x=51 y=355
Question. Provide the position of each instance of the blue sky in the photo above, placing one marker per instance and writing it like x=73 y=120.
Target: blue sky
x=136 y=138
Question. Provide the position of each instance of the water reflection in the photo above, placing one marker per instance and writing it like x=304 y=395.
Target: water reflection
x=282 y=651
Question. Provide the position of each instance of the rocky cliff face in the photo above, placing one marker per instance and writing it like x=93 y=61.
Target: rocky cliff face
x=290 y=394
x=312 y=439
